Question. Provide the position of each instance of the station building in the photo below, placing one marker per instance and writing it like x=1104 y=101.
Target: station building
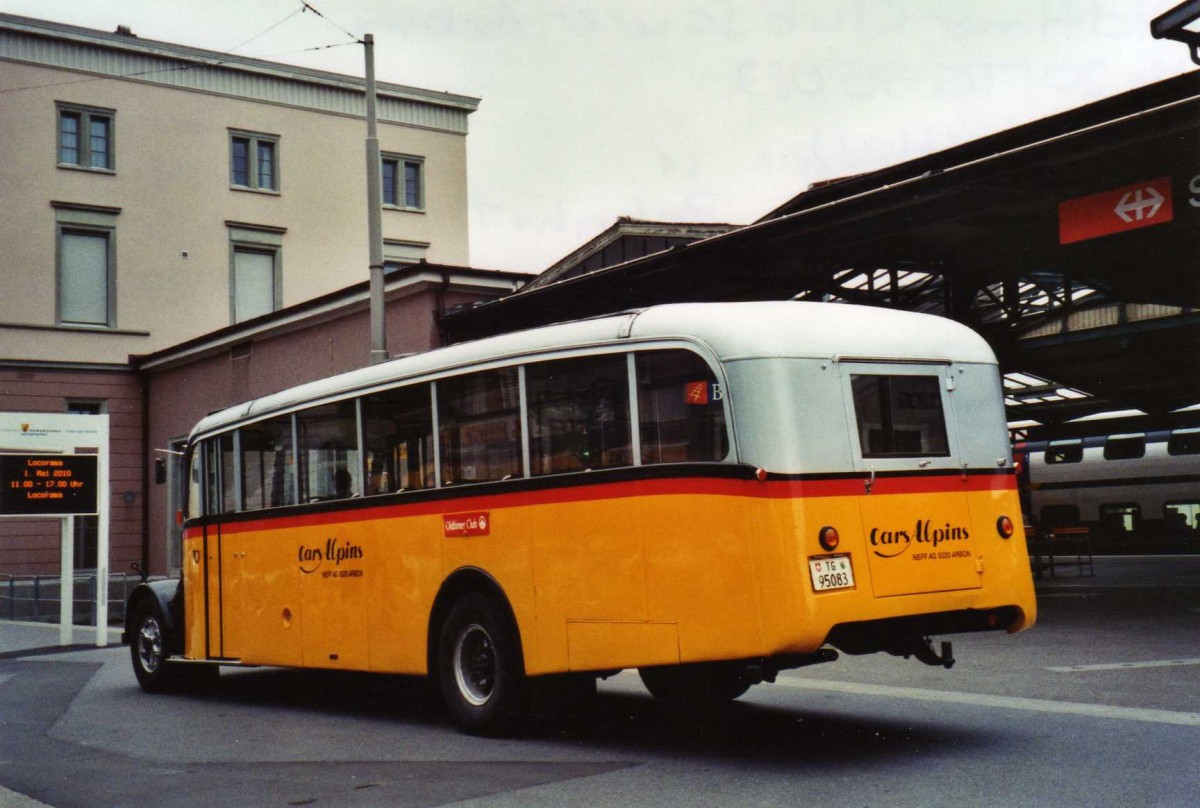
x=164 y=201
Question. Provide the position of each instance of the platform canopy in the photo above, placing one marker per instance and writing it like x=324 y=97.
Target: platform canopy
x=1072 y=243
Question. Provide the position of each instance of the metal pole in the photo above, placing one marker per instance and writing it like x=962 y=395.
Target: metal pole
x=379 y=351
x=66 y=583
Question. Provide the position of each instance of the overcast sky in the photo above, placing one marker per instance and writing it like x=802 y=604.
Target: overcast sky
x=706 y=111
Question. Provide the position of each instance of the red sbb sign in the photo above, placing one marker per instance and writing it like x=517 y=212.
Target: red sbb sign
x=477 y=523
x=1142 y=204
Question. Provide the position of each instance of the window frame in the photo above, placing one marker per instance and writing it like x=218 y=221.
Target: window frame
x=1057 y=453
x=1181 y=442
x=236 y=247
x=216 y=496
x=84 y=146
x=109 y=234
x=399 y=182
x=253 y=140
x=1115 y=447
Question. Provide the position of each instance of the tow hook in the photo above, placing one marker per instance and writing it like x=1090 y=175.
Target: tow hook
x=923 y=651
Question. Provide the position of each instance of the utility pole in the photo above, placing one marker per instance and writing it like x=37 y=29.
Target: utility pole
x=379 y=352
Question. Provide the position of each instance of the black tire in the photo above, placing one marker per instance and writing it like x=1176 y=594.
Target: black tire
x=148 y=651
x=480 y=669
x=702 y=685
x=155 y=672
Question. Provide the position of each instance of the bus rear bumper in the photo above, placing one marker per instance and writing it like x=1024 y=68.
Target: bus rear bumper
x=908 y=635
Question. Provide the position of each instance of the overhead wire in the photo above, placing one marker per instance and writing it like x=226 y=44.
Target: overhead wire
x=205 y=63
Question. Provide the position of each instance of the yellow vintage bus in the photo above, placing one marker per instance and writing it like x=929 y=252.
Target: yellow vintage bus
x=708 y=493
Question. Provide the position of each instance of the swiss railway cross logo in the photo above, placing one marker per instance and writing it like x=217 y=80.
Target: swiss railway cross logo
x=1142 y=204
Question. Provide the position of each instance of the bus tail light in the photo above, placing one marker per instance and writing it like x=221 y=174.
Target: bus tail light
x=829 y=538
x=1004 y=526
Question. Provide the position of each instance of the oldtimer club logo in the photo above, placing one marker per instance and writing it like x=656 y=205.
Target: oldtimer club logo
x=312 y=558
x=890 y=543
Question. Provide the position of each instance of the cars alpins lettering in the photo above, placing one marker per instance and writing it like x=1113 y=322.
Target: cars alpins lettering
x=889 y=543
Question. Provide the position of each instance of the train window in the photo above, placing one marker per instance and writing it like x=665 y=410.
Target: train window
x=1065 y=452
x=1184 y=442
x=1120 y=518
x=1181 y=517
x=899 y=416
x=1060 y=515
x=1124 y=447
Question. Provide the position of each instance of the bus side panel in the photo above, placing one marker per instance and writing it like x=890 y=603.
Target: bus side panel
x=333 y=564
x=502 y=550
x=195 y=625
x=588 y=567
x=404 y=573
x=700 y=573
x=262 y=598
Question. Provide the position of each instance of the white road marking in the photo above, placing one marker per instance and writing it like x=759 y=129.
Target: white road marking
x=1004 y=702
x=1116 y=666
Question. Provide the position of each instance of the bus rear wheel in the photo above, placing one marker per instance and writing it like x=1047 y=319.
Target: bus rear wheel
x=699 y=685
x=480 y=670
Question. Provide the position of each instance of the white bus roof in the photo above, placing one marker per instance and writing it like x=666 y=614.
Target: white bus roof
x=732 y=331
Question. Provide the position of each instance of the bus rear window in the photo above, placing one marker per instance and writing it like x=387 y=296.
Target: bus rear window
x=899 y=416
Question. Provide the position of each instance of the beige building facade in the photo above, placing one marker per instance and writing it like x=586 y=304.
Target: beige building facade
x=155 y=192
x=154 y=195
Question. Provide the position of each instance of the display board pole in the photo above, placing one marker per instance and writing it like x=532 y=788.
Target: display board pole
x=66 y=582
x=105 y=502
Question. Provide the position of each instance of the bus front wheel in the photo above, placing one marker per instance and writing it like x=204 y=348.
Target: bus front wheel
x=480 y=671
x=698 y=685
x=148 y=651
x=155 y=672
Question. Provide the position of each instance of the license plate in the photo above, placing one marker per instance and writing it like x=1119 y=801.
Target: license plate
x=831 y=572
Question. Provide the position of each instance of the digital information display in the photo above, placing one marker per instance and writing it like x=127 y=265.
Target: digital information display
x=48 y=484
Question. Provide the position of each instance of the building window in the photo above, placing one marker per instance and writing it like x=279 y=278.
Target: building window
x=255 y=269
x=86 y=286
x=254 y=161
x=255 y=282
x=404 y=182
x=85 y=138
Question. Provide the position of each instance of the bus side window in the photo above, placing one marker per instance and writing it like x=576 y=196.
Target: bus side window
x=221 y=478
x=480 y=421
x=398 y=439
x=680 y=408
x=578 y=414
x=327 y=440
x=268 y=468
x=194 y=505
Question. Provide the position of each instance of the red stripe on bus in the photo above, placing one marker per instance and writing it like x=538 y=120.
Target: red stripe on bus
x=772 y=489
